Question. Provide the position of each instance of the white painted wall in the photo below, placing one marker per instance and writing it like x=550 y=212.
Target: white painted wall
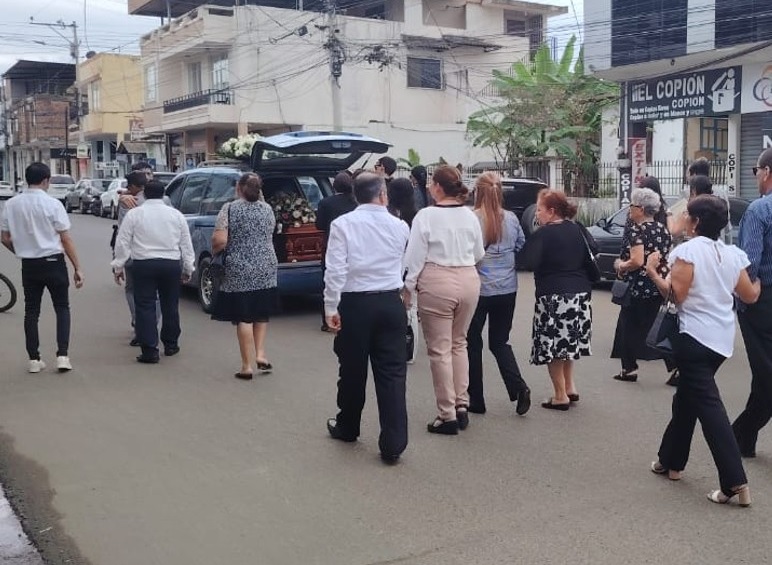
x=668 y=140
x=609 y=135
x=597 y=34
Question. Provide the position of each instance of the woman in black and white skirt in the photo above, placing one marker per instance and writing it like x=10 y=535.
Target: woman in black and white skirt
x=562 y=321
x=247 y=297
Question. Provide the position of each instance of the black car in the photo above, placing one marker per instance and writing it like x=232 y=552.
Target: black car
x=608 y=232
x=520 y=195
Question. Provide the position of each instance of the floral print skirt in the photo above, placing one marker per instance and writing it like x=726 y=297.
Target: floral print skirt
x=562 y=327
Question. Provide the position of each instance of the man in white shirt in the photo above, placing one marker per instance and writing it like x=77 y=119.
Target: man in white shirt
x=363 y=307
x=157 y=240
x=36 y=228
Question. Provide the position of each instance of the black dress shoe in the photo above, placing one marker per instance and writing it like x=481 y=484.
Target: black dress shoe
x=523 y=402
x=550 y=405
x=462 y=417
x=389 y=459
x=443 y=427
x=134 y=342
x=148 y=359
x=336 y=433
x=171 y=350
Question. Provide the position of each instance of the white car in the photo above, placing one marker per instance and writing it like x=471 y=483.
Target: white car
x=6 y=190
x=109 y=198
x=59 y=186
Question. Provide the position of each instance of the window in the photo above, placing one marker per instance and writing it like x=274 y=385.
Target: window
x=515 y=27
x=222 y=189
x=194 y=193
x=742 y=21
x=714 y=136
x=151 y=83
x=311 y=191
x=647 y=30
x=194 y=77
x=424 y=73
x=174 y=191
x=220 y=73
x=93 y=95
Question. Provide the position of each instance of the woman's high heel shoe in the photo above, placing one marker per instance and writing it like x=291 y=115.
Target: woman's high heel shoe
x=743 y=494
x=659 y=469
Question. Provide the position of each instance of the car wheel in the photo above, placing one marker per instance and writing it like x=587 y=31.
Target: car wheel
x=528 y=220
x=84 y=209
x=67 y=207
x=205 y=285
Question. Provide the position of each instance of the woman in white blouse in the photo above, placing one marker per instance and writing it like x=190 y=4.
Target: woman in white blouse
x=705 y=273
x=445 y=244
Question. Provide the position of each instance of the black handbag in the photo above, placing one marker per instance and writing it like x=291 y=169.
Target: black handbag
x=620 y=293
x=665 y=328
x=217 y=265
x=590 y=262
x=410 y=337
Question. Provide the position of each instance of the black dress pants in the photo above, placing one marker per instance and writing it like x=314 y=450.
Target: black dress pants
x=373 y=329
x=499 y=311
x=157 y=278
x=36 y=276
x=697 y=398
x=756 y=328
x=633 y=325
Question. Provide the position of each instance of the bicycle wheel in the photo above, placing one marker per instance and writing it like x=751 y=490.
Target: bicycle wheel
x=7 y=293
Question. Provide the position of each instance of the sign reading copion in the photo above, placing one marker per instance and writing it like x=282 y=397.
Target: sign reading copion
x=713 y=92
x=626 y=185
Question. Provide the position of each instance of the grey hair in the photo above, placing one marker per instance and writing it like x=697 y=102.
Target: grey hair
x=647 y=199
x=367 y=187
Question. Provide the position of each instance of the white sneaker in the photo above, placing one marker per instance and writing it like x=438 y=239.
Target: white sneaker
x=35 y=366
x=63 y=364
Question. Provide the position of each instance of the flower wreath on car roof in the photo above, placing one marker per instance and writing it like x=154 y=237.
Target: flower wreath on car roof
x=239 y=147
x=291 y=211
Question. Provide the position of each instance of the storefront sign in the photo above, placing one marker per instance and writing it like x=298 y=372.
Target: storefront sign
x=625 y=185
x=714 y=92
x=757 y=88
x=731 y=174
x=136 y=129
x=83 y=150
x=638 y=158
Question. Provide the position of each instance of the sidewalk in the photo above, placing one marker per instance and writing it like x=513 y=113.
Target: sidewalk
x=15 y=548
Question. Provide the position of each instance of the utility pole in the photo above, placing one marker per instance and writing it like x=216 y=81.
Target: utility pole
x=337 y=58
x=75 y=54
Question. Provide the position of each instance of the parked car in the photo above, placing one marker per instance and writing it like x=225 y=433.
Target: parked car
x=608 y=232
x=6 y=190
x=82 y=195
x=60 y=186
x=299 y=164
x=106 y=205
x=520 y=196
x=164 y=177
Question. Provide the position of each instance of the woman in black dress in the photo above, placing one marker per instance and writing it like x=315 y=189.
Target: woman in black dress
x=247 y=297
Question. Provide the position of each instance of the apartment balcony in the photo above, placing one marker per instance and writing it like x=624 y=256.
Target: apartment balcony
x=202 y=98
x=206 y=27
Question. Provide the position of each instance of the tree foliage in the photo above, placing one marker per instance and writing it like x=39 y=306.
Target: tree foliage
x=546 y=105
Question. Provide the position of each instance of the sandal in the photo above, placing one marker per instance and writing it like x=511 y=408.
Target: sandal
x=443 y=427
x=743 y=493
x=659 y=469
x=573 y=397
x=462 y=417
x=264 y=366
x=244 y=376
x=551 y=405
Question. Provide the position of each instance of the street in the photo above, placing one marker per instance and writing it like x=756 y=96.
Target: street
x=179 y=463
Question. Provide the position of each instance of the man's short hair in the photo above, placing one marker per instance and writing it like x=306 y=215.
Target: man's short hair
x=36 y=173
x=343 y=183
x=765 y=160
x=700 y=184
x=136 y=178
x=389 y=165
x=154 y=190
x=367 y=187
x=700 y=166
x=141 y=166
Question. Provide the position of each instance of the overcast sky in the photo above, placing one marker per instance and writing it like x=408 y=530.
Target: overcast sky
x=105 y=25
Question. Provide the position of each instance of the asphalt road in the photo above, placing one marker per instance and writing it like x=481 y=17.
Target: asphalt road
x=180 y=463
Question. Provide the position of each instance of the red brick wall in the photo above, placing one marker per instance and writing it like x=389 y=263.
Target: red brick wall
x=41 y=119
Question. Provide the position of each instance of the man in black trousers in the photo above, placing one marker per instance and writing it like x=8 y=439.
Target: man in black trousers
x=157 y=239
x=364 y=309
x=756 y=319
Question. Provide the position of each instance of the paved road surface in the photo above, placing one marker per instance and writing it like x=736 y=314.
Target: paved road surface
x=179 y=463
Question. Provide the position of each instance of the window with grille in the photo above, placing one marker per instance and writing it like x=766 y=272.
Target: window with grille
x=714 y=136
x=424 y=73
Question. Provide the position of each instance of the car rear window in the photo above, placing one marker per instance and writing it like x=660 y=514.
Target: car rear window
x=62 y=179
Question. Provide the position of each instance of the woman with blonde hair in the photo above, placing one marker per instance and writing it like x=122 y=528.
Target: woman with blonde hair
x=445 y=244
x=247 y=298
x=503 y=238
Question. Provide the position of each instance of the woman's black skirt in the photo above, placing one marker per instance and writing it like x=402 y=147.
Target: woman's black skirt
x=245 y=307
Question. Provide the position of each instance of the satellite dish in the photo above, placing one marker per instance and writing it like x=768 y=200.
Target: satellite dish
x=90 y=54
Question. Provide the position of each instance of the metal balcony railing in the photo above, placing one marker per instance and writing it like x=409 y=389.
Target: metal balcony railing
x=201 y=98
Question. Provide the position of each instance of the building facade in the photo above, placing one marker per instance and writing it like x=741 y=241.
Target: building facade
x=696 y=76
x=406 y=71
x=38 y=108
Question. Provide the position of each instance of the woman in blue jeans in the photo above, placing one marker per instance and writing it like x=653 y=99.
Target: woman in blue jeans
x=705 y=273
x=503 y=237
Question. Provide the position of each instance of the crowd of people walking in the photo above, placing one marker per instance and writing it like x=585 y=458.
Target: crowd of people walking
x=449 y=260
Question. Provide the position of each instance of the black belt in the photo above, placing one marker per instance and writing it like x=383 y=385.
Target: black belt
x=47 y=259
x=370 y=292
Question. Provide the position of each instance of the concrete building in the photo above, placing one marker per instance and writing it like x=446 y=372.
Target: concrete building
x=38 y=106
x=411 y=71
x=112 y=127
x=697 y=81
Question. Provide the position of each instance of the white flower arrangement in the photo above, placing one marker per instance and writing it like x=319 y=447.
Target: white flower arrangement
x=239 y=147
